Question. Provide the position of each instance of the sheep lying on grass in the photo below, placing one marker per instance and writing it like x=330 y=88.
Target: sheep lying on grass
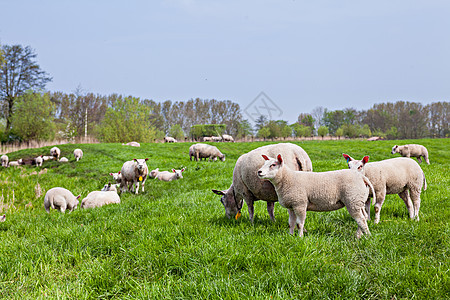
x=109 y=188
x=15 y=163
x=100 y=198
x=61 y=199
x=324 y=191
x=402 y=176
x=168 y=176
x=248 y=186
x=64 y=159
x=133 y=172
x=78 y=153
x=153 y=173
x=55 y=153
x=4 y=158
x=413 y=150
x=39 y=160
x=199 y=151
x=132 y=144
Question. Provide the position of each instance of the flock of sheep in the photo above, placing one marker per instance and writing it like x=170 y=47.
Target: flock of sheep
x=279 y=172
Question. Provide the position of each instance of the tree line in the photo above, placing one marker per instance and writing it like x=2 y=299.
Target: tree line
x=29 y=112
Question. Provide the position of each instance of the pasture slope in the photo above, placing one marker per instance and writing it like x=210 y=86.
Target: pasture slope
x=174 y=242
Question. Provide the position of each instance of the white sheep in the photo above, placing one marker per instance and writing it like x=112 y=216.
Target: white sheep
x=78 y=153
x=248 y=186
x=227 y=138
x=399 y=175
x=317 y=191
x=64 y=159
x=207 y=139
x=3 y=218
x=169 y=139
x=132 y=144
x=100 y=198
x=413 y=150
x=153 y=173
x=15 y=163
x=109 y=187
x=168 y=176
x=117 y=177
x=133 y=172
x=4 y=159
x=61 y=199
x=46 y=157
x=216 y=138
x=39 y=160
x=199 y=151
x=55 y=152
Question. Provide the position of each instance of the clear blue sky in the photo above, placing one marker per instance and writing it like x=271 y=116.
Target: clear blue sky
x=301 y=53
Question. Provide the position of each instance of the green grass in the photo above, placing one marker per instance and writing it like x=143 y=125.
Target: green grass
x=174 y=242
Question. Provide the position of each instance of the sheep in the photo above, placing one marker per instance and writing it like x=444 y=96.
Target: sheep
x=63 y=159
x=413 y=150
x=55 y=152
x=168 y=176
x=61 y=199
x=200 y=151
x=317 y=191
x=248 y=186
x=4 y=158
x=100 y=198
x=227 y=138
x=117 y=177
x=153 y=173
x=109 y=187
x=402 y=176
x=39 y=160
x=207 y=139
x=3 y=218
x=134 y=171
x=133 y=144
x=46 y=157
x=15 y=163
x=216 y=138
x=169 y=139
x=78 y=153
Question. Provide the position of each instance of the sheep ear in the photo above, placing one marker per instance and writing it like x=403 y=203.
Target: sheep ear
x=265 y=157
x=365 y=159
x=78 y=197
x=111 y=174
x=119 y=172
x=217 y=192
x=182 y=170
x=173 y=170
x=347 y=157
x=280 y=160
x=146 y=159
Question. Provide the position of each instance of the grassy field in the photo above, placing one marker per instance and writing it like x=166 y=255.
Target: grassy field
x=174 y=242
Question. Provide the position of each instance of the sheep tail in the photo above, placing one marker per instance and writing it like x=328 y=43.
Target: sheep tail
x=367 y=182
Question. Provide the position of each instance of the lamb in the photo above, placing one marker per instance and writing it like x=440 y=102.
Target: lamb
x=134 y=171
x=117 y=177
x=109 y=187
x=39 y=160
x=167 y=176
x=63 y=159
x=169 y=139
x=78 y=153
x=200 y=151
x=248 y=186
x=324 y=191
x=100 y=198
x=4 y=158
x=15 y=163
x=153 y=173
x=402 y=176
x=227 y=138
x=216 y=138
x=55 y=152
x=207 y=139
x=413 y=150
x=46 y=157
x=61 y=199
x=132 y=144
x=3 y=218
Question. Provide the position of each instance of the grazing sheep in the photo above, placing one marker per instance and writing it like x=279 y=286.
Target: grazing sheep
x=248 y=186
x=63 y=159
x=153 y=173
x=55 y=152
x=109 y=187
x=39 y=160
x=78 y=153
x=200 y=151
x=169 y=139
x=3 y=218
x=227 y=138
x=133 y=144
x=399 y=175
x=61 y=199
x=133 y=172
x=168 y=176
x=4 y=158
x=324 y=191
x=207 y=139
x=99 y=199
x=216 y=138
x=413 y=150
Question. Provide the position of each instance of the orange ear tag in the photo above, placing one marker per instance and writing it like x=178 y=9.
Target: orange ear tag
x=238 y=215
x=140 y=178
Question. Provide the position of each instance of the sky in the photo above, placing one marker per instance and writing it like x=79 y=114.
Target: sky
x=278 y=57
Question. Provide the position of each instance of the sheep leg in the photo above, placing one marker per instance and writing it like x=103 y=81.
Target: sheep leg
x=419 y=159
x=368 y=208
x=250 y=208
x=377 y=207
x=427 y=160
x=358 y=215
x=270 y=208
x=300 y=216
x=405 y=197
x=292 y=221
x=415 y=196
x=143 y=183
x=136 y=187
